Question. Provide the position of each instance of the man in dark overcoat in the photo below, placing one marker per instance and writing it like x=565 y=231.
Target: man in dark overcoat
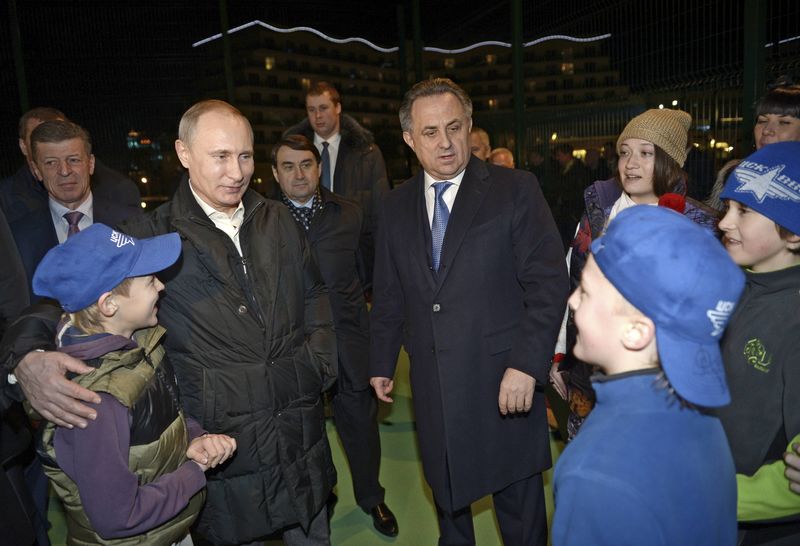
x=470 y=278
x=333 y=226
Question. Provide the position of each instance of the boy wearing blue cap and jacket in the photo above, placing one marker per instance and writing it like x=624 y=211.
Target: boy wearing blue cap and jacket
x=761 y=348
x=649 y=467
x=135 y=475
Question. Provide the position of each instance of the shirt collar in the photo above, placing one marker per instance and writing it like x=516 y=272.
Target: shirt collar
x=307 y=205
x=333 y=141
x=57 y=209
x=213 y=213
x=456 y=180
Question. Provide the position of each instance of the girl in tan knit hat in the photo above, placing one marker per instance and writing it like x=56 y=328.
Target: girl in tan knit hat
x=652 y=150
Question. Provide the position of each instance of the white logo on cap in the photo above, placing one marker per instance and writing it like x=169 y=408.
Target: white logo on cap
x=719 y=316
x=763 y=181
x=121 y=240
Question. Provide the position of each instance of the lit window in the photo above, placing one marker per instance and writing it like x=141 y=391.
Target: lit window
x=449 y=62
x=491 y=59
x=269 y=63
x=567 y=68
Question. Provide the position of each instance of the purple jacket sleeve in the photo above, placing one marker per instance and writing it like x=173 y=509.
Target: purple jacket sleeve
x=193 y=428
x=96 y=459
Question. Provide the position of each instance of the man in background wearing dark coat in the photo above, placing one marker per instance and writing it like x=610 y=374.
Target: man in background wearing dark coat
x=470 y=278
x=333 y=225
x=354 y=166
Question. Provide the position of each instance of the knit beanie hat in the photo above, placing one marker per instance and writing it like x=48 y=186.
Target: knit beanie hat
x=768 y=181
x=667 y=129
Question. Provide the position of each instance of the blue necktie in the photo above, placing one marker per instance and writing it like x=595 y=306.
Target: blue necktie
x=440 y=216
x=326 y=166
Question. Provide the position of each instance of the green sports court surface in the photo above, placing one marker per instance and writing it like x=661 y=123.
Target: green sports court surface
x=401 y=474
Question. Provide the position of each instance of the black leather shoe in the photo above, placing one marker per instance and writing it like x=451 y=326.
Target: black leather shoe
x=384 y=520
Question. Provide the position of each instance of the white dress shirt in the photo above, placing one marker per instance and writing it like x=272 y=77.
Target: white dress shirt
x=230 y=225
x=57 y=212
x=449 y=196
x=333 y=151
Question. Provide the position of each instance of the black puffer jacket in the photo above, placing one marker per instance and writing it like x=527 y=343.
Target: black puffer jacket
x=252 y=344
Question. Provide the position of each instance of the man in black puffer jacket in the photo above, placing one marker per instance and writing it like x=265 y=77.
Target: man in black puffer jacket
x=250 y=337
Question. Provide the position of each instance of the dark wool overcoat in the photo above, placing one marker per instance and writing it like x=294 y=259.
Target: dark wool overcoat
x=496 y=302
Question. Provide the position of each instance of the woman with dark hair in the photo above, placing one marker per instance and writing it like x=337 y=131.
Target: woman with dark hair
x=652 y=150
x=777 y=120
x=778 y=114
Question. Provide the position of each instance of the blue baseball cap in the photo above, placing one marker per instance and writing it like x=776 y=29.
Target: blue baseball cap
x=681 y=277
x=768 y=181
x=95 y=260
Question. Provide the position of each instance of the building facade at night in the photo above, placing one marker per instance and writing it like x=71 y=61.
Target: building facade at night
x=272 y=69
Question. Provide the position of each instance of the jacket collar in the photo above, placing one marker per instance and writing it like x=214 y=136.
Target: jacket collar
x=185 y=206
x=470 y=196
x=353 y=134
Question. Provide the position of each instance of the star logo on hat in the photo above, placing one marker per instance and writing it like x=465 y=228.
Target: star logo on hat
x=763 y=182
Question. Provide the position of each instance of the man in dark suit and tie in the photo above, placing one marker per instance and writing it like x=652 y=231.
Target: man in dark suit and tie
x=470 y=278
x=352 y=164
x=42 y=215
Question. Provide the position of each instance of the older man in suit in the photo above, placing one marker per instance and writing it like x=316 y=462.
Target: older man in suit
x=42 y=215
x=470 y=278
x=107 y=183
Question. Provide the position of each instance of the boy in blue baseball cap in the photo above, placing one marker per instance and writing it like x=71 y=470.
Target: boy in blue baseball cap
x=137 y=471
x=761 y=348
x=649 y=466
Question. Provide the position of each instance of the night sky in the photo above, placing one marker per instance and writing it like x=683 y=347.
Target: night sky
x=118 y=65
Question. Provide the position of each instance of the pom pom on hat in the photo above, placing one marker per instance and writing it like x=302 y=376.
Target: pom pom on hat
x=674 y=201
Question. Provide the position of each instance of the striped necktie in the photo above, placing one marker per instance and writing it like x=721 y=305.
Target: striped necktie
x=440 y=216
x=73 y=218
